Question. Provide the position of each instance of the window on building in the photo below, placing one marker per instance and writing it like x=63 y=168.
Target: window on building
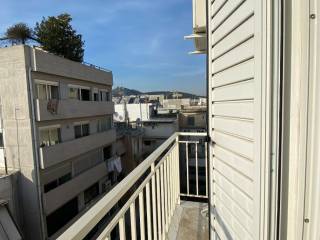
x=104 y=124
x=80 y=93
x=47 y=91
x=73 y=93
x=49 y=136
x=191 y=121
x=107 y=153
x=61 y=216
x=65 y=178
x=85 y=94
x=81 y=130
x=147 y=143
x=105 y=96
x=91 y=193
x=96 y=97
x=57 y=182
x=51 y=185
x=1 y=140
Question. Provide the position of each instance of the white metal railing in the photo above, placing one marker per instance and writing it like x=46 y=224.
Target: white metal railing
x=148 y=197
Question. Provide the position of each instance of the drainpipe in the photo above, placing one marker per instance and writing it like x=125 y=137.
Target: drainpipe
x=35 y=147
x=3 y=141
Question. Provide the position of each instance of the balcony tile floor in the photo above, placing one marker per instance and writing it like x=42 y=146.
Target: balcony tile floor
x=189 y=223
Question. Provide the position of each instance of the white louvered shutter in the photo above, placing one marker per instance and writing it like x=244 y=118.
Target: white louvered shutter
x=237 y=109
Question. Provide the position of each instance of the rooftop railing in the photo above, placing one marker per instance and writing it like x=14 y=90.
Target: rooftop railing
x=96 y=67
x=142 y=205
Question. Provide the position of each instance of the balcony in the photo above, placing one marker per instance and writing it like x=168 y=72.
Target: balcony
x=67 y=191
x=49 y=63
x=71 y=108
x=55 y=154
x=165 y=197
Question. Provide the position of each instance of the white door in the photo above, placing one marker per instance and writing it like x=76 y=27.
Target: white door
x=239 y=110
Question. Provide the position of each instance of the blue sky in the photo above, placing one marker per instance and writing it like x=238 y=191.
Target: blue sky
x=141 y=41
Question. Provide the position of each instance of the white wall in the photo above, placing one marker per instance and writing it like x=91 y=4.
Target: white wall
x=134 y=111
x=159 y=129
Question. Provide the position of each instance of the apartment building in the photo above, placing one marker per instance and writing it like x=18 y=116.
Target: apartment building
x=58 y=132
x=156 y=127
x=193 y=119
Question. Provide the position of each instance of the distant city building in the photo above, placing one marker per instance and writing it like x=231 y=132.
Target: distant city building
x=56 y=117
x=193 y=119
x=156 y=127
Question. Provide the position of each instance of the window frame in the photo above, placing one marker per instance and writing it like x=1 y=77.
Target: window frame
x=108 y=123
x=81 y=124
x=49 y=129
x=48 y=89
x=107 y=95
x=79 y=88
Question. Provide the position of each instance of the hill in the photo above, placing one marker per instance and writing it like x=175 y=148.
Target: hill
x=122 y=91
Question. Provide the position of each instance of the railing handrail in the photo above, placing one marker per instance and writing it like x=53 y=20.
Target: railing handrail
x=96 y=67
x=86 y=222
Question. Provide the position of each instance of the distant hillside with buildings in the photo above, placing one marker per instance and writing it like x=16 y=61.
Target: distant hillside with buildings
x=122 y=91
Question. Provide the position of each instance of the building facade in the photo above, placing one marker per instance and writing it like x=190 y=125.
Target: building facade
x=58 y=132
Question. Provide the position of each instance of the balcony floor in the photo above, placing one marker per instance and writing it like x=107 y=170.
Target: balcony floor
x=189 y=223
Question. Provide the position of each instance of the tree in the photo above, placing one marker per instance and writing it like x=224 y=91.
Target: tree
x=18 y=33
x=57 y=36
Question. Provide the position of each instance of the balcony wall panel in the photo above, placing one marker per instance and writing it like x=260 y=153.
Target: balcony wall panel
x=65 y=192
x=70 y=108
x=55 y=154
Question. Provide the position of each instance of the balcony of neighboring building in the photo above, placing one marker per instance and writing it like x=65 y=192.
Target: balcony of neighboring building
x=164 y=197
x=60 y=100
x=56 y=197
x=61 y=151
x=48 y=63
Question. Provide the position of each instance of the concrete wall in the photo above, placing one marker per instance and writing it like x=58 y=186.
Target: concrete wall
x=18 y=138
x=51 y=64
x=159 y=129
x=200 y=120
x=60 y=195
x=52 y=155
x=72 y=108
x=9 y=192
x=133 y=111
x=176 y=103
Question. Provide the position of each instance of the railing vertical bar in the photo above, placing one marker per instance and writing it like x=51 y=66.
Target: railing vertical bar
x=133 y=221
x=158 y=202
x=173 y=180
x=170 y=184
x=162 y=202
x=197 y=169
x=166 y=192
x=154 y=207
x=187 y=166
x=141 y=216
x=122 y=229
x=148 y=211
x=178 y=171
x=206 y=166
